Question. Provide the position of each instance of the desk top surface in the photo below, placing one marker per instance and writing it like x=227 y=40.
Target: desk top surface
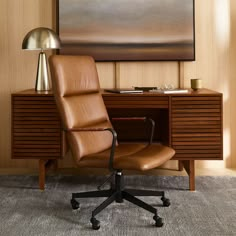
x=200 y=92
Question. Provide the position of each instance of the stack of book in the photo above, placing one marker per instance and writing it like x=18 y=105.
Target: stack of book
x=169 y=91
x=149 y=89
x=123 y=91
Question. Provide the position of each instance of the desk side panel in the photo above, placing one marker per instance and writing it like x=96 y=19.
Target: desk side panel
x=196 y=124
x=36 y=127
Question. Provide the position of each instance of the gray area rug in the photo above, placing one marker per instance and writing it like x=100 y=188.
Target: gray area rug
x=25 y=210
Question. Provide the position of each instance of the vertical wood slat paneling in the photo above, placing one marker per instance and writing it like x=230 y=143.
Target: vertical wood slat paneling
x=148 y=74
x=230 y=113
x=18 y=68
x=215 y=64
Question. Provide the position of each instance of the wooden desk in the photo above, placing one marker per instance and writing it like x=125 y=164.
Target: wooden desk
x=191 y=123
x=36 y=130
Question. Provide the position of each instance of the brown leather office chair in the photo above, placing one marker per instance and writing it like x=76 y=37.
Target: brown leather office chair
x=93 y=141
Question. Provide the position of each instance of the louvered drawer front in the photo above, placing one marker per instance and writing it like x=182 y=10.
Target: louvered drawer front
x=197 y=127
x=36 y=127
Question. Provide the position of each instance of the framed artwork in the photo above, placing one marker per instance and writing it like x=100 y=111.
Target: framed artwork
x=127 y=30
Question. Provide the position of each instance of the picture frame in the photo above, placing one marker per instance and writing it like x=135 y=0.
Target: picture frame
x=128 y=30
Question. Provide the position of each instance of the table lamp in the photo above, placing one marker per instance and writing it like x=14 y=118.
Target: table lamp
x=41 y=39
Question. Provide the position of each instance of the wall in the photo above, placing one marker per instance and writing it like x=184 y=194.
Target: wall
x=232 y=96
x=213 y=44
x=215 y=47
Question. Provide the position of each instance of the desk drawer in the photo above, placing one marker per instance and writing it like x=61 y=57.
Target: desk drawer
x=136 y=101
x=197 y=127
x=36 y=127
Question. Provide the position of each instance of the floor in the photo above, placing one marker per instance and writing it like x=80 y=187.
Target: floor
x=164 y=171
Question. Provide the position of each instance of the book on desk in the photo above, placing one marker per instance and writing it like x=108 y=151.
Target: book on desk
x=169 y=91
x=151 y=89
x=123 y=91
x=162 y=90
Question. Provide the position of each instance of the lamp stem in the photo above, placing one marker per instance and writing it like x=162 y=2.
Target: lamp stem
x=42 y=78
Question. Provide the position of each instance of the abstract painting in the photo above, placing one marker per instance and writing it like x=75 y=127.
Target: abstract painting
x=124 y=30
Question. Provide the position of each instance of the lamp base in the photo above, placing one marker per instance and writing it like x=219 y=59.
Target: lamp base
x=42 y=79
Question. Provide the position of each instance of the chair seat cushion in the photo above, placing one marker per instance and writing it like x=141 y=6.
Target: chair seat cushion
x=130 y=156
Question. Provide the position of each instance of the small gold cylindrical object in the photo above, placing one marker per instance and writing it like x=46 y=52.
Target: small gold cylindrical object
x=196 y=84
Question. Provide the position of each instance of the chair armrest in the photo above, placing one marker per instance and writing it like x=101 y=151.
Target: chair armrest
x=144 y=119
x=113 y=145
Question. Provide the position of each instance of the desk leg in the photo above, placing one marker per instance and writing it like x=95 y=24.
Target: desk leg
x=42 y=173
x=44 y=165
x=180 y=165
x=190 y=169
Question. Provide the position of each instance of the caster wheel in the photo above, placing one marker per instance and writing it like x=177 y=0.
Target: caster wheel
x=74 y=204
x=158 y=221
x=95 y=223
x=166 y=201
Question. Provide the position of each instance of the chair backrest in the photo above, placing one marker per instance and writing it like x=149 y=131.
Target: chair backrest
x=77 y=93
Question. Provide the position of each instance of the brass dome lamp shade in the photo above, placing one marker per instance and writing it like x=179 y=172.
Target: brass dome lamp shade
x=41 y=39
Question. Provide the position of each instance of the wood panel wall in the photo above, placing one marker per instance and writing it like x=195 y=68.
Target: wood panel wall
x=231 y=115
x=215 y=59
